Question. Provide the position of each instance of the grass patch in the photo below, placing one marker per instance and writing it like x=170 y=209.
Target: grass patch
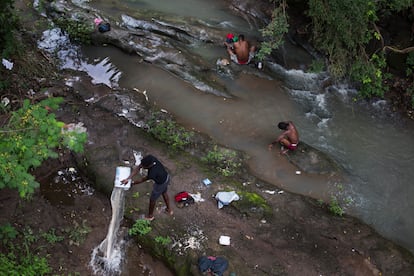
x=225 y=161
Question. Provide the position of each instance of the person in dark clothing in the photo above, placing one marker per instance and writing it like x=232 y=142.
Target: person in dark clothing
x=161 y=178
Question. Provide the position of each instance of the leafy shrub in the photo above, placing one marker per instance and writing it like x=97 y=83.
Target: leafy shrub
x=7 y=233
x=317 y=66
x=352 y=20
x=225 y=161
x=274 y=32
x=78 y=30
x=20 y=259
x=141 y=227
x=78 y=233
x=335 y=208
x=166 y=130
x=163 y=240
x=8 y=23
x=51 y=236
x=30 y=136
x=370 y=76
x=18 y=264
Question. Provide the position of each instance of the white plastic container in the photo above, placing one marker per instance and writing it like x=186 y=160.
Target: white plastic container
x=121 y=174
x=224 y=240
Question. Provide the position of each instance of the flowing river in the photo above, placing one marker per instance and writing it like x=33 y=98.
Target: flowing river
x=374 y=147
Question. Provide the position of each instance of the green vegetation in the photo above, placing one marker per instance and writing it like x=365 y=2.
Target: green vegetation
x=335 y=208
x=274 y=32
x=79 y=30
x=410 y=75
x=23 y=252
x=8 y=23
x=343 y=30
x=51 y=236
x=77 y=234
x=346 y=33
x=252 y=203
x=164 y=129
x=317 y=66
x=225 y=161
x=29 y=137
x=141 y=227
x=163 y=240
x=20 y=259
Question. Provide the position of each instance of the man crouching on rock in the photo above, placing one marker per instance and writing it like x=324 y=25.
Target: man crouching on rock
x=289 y=139
x=161 y=178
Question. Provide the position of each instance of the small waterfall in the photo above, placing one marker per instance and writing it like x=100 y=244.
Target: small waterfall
x=107 y=257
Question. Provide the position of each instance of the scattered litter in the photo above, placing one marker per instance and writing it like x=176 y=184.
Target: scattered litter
x=5 y=101
x=222 y=62
x=270 y=192
x=97 y=21
x=249 y=237
x=225 y=198
x=192 y=239
x=197 y=197
x=224 y=240
x=298 y=172
x=142 y=92
x=206 y=181
x=263 y=221
x=280 y=192
x=163 y=110
x=7 y=64
x=183 y=199
x=72 y=127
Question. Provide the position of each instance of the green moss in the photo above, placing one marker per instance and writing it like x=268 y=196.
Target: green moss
x=252 y=204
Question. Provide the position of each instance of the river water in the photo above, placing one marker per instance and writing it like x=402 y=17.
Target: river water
x=374 y=147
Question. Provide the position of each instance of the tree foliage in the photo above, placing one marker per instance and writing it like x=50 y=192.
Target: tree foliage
x=273 y=33
x=343 y=29
x=30 y=136
x=8 y=23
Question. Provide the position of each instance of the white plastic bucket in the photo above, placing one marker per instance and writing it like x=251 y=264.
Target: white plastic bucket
x=121 y=174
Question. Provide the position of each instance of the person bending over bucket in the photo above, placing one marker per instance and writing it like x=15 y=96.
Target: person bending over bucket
x=161 y=178
x=289 y=139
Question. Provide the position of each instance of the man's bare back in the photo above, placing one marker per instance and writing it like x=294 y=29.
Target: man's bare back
x=240 y=51
x=289 y=137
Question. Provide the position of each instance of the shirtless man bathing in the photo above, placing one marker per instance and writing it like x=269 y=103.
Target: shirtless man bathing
x=240 y=52
x=289 y=139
